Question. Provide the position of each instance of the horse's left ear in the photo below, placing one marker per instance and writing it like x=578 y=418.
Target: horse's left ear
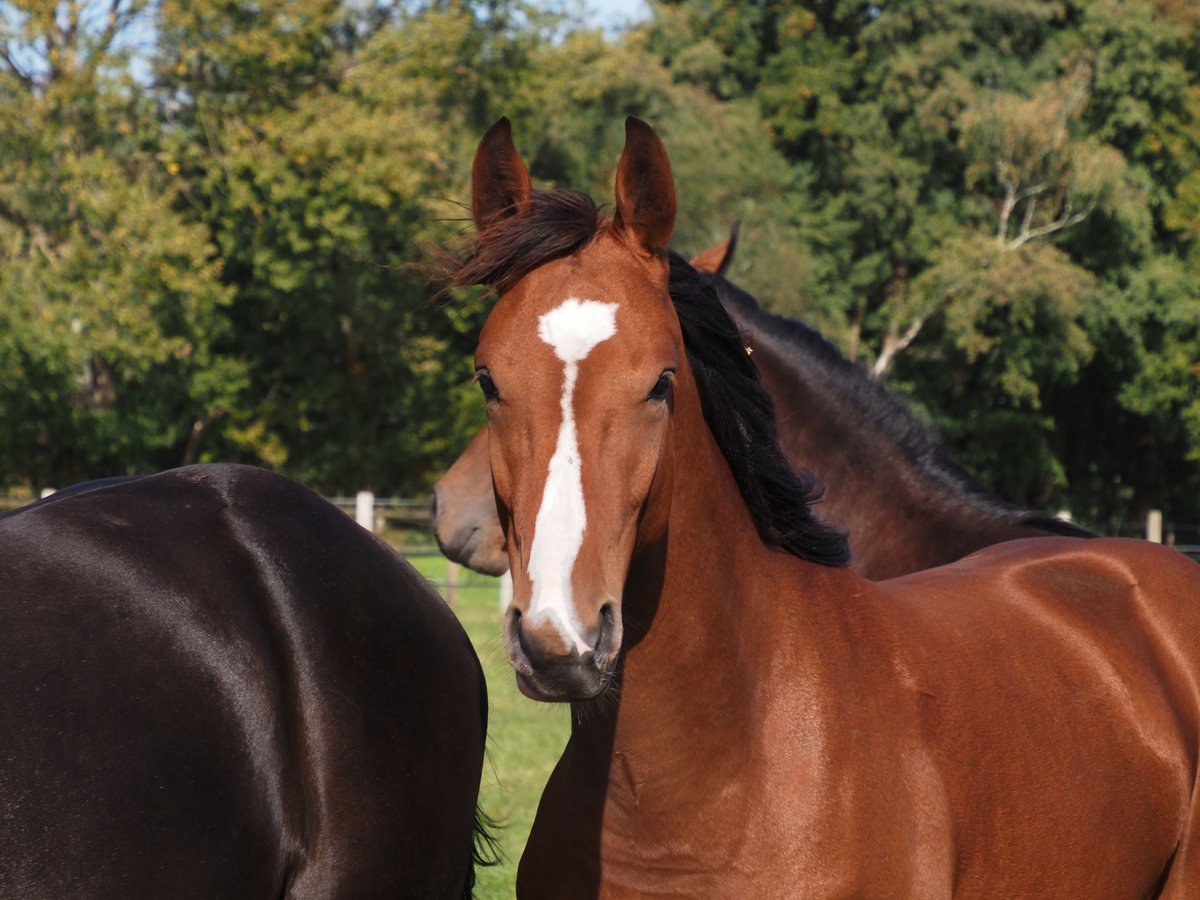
x=717 y=258
x=645 y=189
x=500 y=185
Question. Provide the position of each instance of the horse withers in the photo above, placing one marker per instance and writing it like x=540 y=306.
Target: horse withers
x=216 y=684
x=749 y=717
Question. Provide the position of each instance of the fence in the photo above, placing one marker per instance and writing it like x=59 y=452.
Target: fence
x=379 y=514
x=1183 y=536
x=375 y=514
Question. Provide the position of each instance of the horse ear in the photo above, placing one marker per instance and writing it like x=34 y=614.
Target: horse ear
x=645 y=189
x=717 y=258
x=500 y=185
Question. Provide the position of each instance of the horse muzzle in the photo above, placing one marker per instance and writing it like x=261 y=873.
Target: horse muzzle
x=551 y=669
x=473 y=542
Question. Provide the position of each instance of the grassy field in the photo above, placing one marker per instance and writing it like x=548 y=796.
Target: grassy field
x=525 y=738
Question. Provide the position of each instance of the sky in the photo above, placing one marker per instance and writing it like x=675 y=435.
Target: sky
x=612 y=15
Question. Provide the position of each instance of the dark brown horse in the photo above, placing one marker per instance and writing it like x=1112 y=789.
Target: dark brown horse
x=750 y=718
x=216 y=685
x=905 y=504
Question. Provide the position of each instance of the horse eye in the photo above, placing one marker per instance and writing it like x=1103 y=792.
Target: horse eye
x=487 y=386
x=662 y=387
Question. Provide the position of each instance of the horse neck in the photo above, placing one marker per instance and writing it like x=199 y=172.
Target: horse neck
x=706 y=593
x=902 y=513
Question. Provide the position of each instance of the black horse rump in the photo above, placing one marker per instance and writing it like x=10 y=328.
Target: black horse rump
x=216 y=685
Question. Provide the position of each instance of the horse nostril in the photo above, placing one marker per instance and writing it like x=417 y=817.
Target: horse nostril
x=528 y=647
x=608 y=640
x=433 y=507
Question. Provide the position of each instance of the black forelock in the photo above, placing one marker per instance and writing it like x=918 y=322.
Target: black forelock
x=552 y=225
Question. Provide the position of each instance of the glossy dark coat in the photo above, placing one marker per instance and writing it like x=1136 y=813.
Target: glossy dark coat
x=217 y=685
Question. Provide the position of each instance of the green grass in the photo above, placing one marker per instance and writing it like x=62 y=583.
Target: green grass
x=525 y=738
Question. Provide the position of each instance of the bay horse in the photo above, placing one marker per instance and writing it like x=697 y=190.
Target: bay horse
x=216 y=684
x=905 y=503
x=749 y=717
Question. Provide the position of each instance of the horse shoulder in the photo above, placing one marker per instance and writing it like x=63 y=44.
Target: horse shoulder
x=835 y=764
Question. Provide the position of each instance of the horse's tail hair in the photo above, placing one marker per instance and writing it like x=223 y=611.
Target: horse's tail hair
x=485 y=850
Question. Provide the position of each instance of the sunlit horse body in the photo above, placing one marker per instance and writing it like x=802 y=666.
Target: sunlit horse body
x=750 y=718
x=216 y=685
x=905 y=504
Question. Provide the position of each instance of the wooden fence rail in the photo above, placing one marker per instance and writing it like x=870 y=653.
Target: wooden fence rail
x=380 y=513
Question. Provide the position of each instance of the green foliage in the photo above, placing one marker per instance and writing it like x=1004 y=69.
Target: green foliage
x=986 y=189
x=1009 y=333
x=319 y=194
x=1012 y=316
x=207 y=251
x=1160 y=315
x=109 y=302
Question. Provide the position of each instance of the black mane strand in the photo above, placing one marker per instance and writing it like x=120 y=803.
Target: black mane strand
x=887 y=414
x=555 y=224
x=741 y=416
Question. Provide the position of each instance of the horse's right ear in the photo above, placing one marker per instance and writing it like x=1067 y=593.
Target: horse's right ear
x=500 y=185
x=645 y=190
x=717 y=258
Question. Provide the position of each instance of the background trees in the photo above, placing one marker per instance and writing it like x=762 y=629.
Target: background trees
x=209 y=213
x=994 y=197
x=110 y=300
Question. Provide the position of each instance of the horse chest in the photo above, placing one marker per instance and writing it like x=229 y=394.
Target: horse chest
x=733 y=828
x=784 y=849
x=818 y=811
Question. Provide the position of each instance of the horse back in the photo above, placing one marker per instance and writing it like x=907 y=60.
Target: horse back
x=218 y=685
x=1053 y=684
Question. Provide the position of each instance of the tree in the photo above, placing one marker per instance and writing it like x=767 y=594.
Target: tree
x=999 y=213
x=993 y=205
x=319 y=144
x=109 y=306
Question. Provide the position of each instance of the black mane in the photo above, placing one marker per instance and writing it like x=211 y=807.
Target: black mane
x=738 y=410
x=741 y=415
x=888 y=415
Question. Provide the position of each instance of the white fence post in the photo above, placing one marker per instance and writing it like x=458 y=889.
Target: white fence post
x=364 y=509
x=1154 y=526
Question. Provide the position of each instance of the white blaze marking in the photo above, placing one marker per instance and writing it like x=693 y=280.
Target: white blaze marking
x=572 y=329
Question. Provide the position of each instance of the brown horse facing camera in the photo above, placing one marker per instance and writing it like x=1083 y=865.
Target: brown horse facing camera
x=750 y=718
x=905 y=504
